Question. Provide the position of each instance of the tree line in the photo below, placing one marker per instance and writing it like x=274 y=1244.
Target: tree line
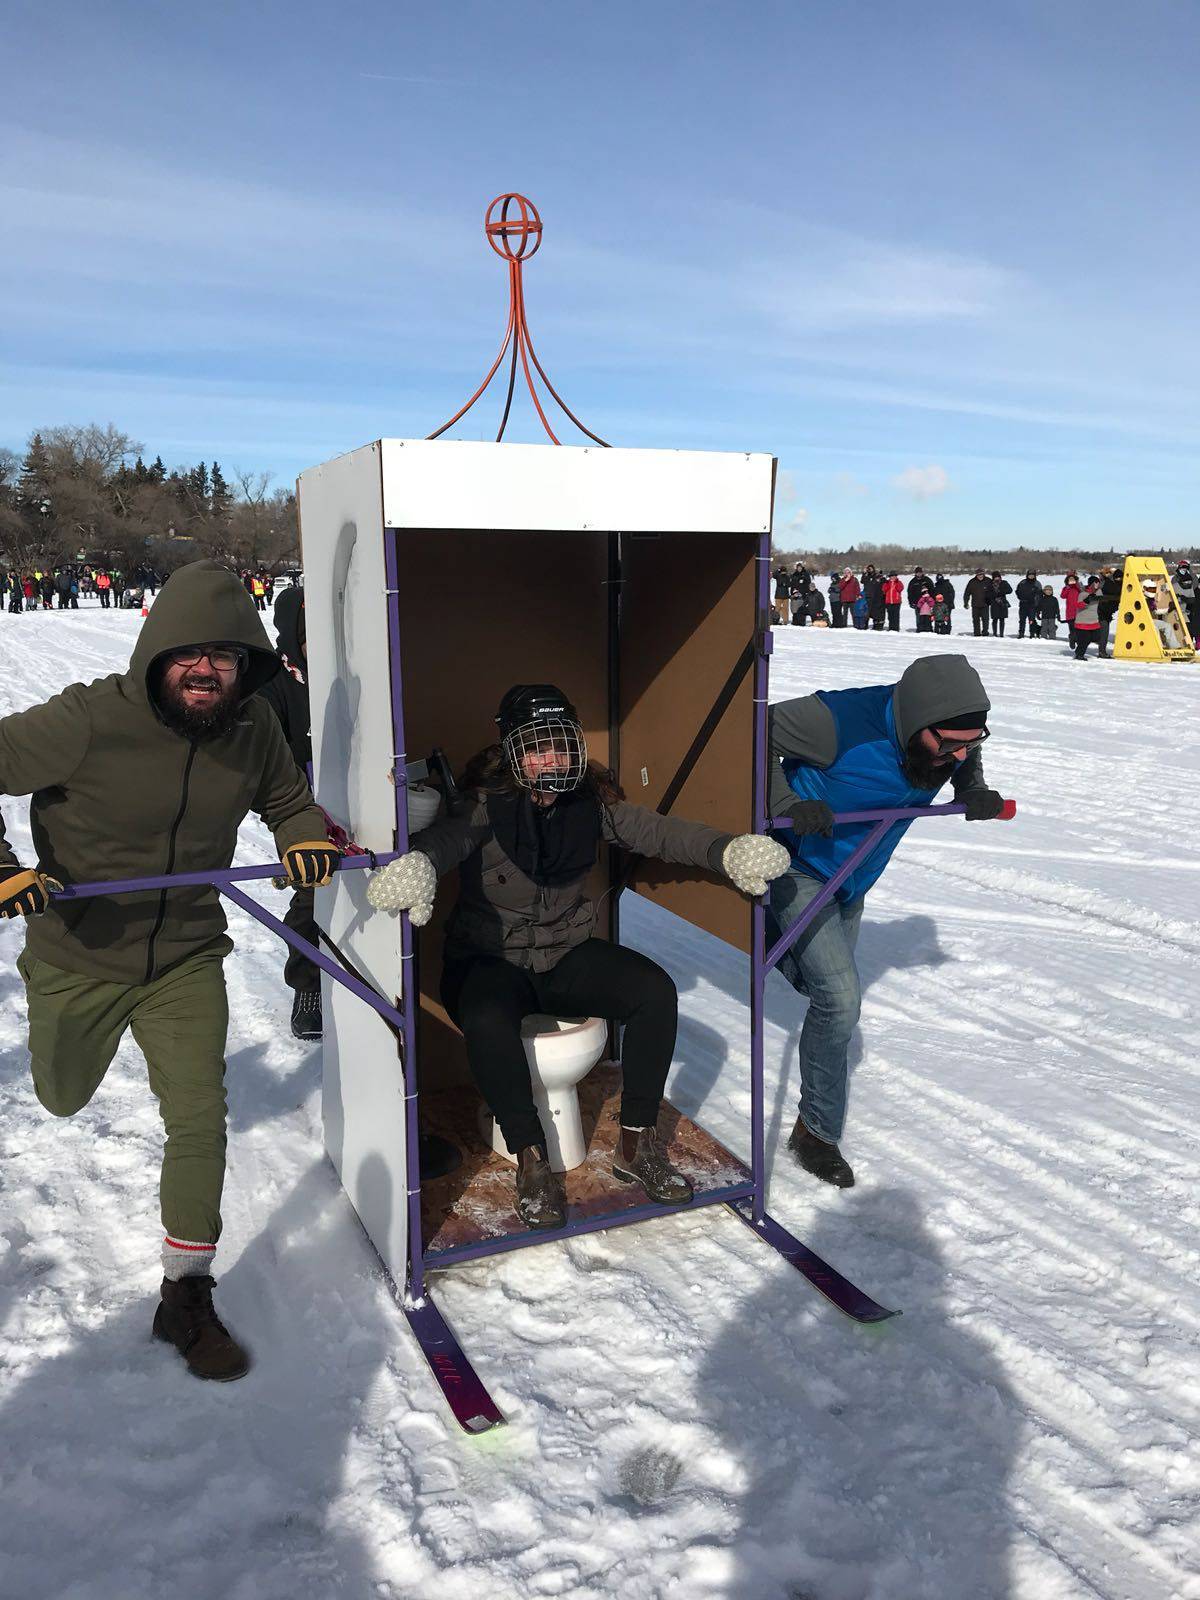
x=88 y=494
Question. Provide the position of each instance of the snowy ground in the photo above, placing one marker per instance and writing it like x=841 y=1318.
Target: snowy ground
x=687 y=1417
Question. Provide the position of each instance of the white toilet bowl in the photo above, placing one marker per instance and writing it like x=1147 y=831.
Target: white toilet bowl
x=561 y=1051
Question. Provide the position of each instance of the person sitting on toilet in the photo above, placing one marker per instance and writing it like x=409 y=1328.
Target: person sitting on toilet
x=520 y=940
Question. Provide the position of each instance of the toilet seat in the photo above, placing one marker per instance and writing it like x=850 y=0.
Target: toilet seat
x=561 y=1051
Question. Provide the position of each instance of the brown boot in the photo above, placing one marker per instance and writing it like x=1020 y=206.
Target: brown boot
x=186 y=1319
x=823 y=1160
x=541 y=1202
x=640 y=1158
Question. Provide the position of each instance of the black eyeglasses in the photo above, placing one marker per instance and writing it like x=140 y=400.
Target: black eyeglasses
x=946 y=744
x=222 y=658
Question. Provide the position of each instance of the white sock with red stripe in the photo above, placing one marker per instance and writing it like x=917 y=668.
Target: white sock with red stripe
x=185 y=1258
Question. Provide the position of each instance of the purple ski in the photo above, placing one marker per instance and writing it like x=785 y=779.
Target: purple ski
x=839 y=1291
x=474 y=1409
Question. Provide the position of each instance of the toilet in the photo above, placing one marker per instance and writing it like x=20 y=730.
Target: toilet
x=561 y=1051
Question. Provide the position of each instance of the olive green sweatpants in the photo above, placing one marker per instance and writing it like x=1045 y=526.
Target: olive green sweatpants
x=179 y=1022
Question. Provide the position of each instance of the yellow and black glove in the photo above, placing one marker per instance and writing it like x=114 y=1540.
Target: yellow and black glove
x=311 y=863
x=24 y=892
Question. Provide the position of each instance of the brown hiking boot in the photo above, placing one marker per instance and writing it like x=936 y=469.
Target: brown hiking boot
x=541 y=1202
x=640 y=1158
x=186 y=1319
x=818 y=1156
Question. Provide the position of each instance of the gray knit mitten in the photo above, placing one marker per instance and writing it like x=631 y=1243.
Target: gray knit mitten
x=751 y=860
x=407 y=884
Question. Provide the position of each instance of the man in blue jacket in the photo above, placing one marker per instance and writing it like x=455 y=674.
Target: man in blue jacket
x=858 y=750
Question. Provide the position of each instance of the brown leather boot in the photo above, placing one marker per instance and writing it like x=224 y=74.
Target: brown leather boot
x=640 y=1158
x=186 y=1319
x=823 y=1160
x=541 y=1202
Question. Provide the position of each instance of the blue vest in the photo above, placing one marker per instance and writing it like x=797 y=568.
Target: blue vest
x=867 y=775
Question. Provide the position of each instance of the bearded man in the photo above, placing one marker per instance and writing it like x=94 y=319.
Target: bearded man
x=874 y=749
x=141 y=774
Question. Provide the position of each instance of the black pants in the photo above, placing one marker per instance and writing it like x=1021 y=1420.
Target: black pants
x=924 y=624
x=299 y=972
x=1102 y=639
x=998 y=617
x=488 y=998
x=979 y=621
x=1027 y=615
x=1083 y=638
x=104 y=599
x=893 y=618
x=839 y=613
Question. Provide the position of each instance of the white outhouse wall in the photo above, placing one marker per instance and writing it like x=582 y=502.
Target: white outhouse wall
x=345 y=610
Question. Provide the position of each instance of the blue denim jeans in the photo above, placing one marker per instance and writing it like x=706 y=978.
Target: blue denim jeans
x=820 y=965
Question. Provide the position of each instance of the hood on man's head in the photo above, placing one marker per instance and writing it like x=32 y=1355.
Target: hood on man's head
x=203 y=603
x=937 y=689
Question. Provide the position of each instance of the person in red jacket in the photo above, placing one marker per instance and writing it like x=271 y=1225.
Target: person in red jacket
x=893 y=599
x=1072 y=599
x=849 y=590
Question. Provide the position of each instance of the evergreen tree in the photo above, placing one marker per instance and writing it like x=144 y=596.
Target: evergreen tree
x=33 y=485
x=158 y=473
x=220 y=499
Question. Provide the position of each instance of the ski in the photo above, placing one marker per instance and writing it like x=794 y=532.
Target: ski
x=474 y=1409
x=839 y=1291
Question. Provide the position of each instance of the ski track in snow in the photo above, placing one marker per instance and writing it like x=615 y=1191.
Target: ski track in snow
x=687 y=1418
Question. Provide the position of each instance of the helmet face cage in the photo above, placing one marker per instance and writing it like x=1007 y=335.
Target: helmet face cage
x=555 y=750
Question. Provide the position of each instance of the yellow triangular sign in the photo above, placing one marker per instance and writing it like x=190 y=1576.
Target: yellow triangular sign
x=1151 y=625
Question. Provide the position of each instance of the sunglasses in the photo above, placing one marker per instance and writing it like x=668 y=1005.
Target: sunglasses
x=947 y=743
x=222 y=658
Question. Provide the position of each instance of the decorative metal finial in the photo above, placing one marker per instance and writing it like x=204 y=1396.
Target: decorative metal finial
x=514 y=230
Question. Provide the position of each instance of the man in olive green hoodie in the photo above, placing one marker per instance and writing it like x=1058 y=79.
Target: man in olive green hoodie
x=144 y=773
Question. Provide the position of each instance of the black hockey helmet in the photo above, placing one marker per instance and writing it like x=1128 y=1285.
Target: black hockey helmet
x=537 y=722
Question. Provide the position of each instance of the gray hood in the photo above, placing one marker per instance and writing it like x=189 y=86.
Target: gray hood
x=937 y=689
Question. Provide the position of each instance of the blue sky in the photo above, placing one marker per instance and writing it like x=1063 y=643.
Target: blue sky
x=941 y=259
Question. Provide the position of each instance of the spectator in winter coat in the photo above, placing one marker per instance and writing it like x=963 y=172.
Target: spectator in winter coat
x=1001 y=589
x=799 y=584
x=925 y=605
x=520 y=939
x=848 y=591
x=815 y=606
x=1087 y=620
x=918 y=584
x=1188 y=592
x=1028 y=593
x=287 y=694
x=873 y=591
x=782 y=594
x=103 y=589
x=47 y=592
x=836 y=608
x=16 y=595
x=1072 y=598
x=1109 y=600
x=838 y=751
x=893 y=598
x=948 y=592
x=1049 y=615
x=978 y=595
x=861 y=612
x=159 y=763
x=941 y=613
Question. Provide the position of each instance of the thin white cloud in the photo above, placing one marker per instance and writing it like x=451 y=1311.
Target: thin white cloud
x=785 y=486
x=923 y=483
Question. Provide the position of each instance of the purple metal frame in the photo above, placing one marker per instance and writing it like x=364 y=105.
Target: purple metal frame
x=466 y=1394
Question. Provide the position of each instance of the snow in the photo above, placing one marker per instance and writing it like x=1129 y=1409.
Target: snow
x=687 y=1418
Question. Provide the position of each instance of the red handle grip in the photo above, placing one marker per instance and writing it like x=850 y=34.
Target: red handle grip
x=1007 y=811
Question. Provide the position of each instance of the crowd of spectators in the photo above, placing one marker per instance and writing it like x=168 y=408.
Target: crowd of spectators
x=60 y=588
x=875 y=600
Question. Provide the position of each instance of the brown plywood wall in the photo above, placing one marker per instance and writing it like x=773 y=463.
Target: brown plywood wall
x=688 y=612
x=480 y=611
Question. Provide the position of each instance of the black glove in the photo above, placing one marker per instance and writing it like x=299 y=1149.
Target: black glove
x=23 y=892
x=983 y=805
x=811 y=816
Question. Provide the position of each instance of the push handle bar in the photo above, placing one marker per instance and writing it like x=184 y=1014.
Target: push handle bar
x=183 y=880
x=953 y=808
